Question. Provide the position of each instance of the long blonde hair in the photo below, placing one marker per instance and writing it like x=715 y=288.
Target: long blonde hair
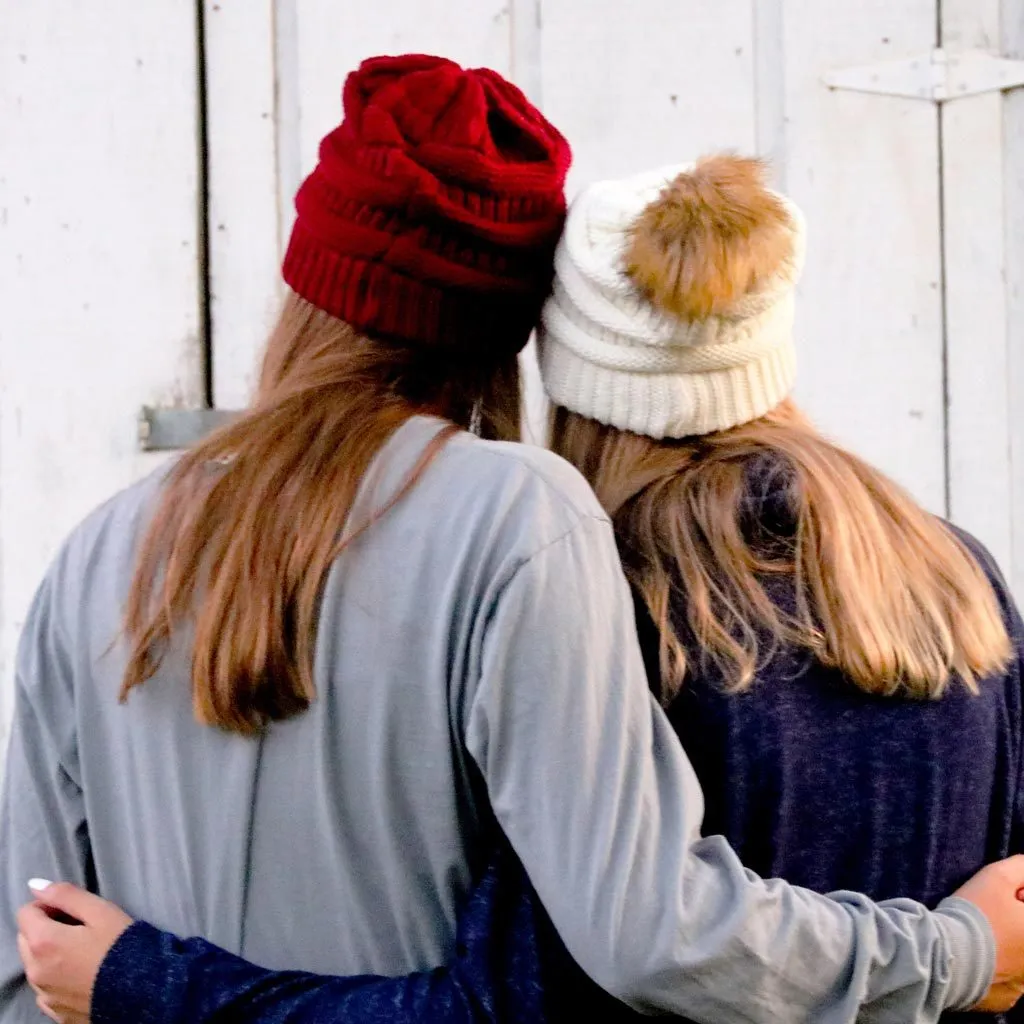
x=250 y=519
x=880 y=590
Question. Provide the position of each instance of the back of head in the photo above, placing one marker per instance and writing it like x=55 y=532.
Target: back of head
x=419 y=260
x=668 y=349
x=434 y=210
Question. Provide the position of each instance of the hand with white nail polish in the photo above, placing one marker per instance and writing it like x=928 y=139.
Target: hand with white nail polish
x=62 y=938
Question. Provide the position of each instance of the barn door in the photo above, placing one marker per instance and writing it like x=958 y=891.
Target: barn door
x=114 y=296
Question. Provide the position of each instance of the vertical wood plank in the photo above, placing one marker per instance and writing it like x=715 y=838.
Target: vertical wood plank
x=98 y=265
x=288 y=114
x=1012 y=40
x=649 y=82
x=865 y=170
x=527 y=73
x=769 y=85
x=333 y=38
x=242 y=190
x=526 y=27
x=974 y=230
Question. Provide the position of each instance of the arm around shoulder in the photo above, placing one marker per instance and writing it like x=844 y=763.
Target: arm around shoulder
x=592 y=787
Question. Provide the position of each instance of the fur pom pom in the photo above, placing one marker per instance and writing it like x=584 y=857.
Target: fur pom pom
x=714 y=235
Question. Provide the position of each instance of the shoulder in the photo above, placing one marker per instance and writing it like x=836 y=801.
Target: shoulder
x=1008 y=606
x=985 y=559
x=527 y=469
x=489 y=487
x=92 y=565
x=105 y=538
x=977 y=549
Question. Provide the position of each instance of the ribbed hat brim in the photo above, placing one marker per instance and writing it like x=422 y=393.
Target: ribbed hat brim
x=666 y=405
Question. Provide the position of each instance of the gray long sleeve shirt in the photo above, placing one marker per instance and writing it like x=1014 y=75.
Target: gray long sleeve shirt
x=476 y=648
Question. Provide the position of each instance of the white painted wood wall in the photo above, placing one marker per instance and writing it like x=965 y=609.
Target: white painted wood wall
x=134 y=272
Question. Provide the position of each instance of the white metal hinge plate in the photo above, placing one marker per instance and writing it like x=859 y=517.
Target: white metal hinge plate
x=937 y=76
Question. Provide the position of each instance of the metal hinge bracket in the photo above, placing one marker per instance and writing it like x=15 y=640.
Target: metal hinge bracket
x=164 y=430
x=937 y=76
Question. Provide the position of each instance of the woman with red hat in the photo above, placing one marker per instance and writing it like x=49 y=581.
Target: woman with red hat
x=352 y=638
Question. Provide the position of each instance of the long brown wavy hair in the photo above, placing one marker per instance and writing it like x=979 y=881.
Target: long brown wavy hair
x=880 y=589
x=251 y=519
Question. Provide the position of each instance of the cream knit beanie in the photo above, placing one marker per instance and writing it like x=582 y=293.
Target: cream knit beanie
x=672 y=309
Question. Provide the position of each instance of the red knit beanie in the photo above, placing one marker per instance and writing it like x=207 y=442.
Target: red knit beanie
x=433 y=213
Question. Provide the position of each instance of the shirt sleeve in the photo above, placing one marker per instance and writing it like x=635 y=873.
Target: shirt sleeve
x=43 y=830
x=153 y=977
x=592 y=788
x=1016 y=680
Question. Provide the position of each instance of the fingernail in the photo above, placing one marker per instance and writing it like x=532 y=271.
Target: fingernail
x=39 y=884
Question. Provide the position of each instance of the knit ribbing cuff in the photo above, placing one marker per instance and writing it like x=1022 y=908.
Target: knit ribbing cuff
x=134 y=979
x=972 y=951
x=665 y=404
x=386 y=304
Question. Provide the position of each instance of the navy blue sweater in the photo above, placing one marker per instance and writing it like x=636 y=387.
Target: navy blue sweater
x=807 y=777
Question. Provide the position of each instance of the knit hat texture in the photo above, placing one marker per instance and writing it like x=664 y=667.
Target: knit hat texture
x=433 y=213
x=673 y=301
